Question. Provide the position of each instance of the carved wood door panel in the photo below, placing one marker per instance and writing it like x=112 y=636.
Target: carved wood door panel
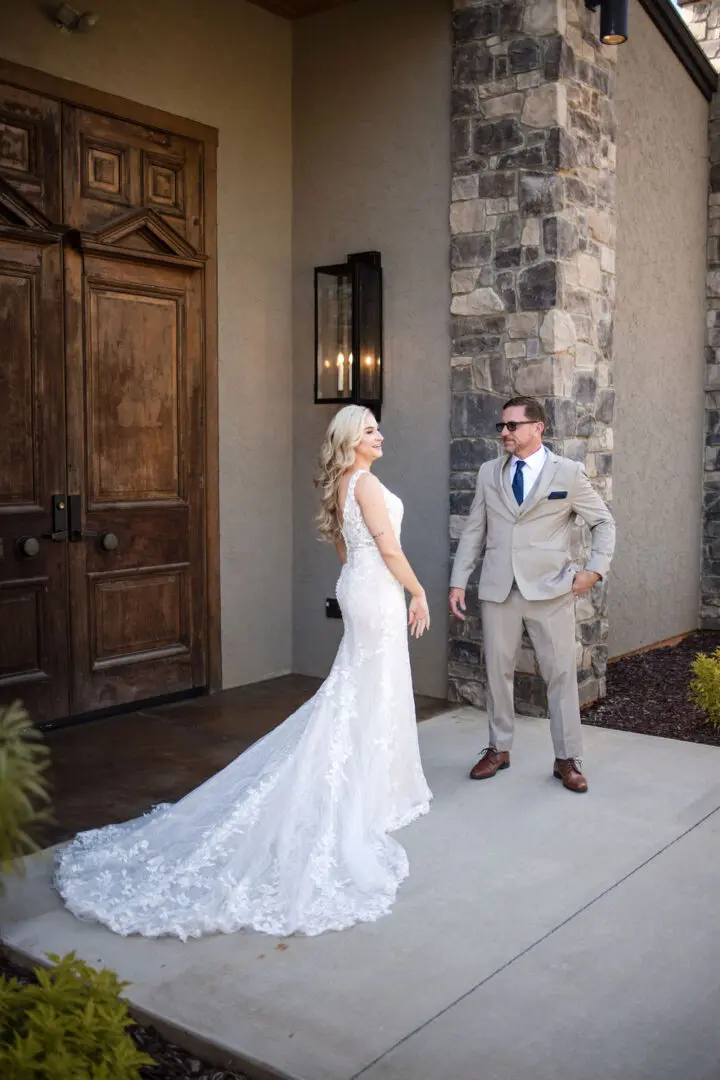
x=101 y=407
x=30 y=149
x=135 y=447
x=135 y=424
x=33 y=567
x=112 y=167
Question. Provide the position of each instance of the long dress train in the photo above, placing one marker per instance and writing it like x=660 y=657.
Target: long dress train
x=292 y=836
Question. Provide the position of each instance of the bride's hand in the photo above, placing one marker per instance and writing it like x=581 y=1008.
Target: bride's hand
x=419 y=615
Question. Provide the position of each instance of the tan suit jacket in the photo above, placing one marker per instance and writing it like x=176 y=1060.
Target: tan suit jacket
x=530 y=544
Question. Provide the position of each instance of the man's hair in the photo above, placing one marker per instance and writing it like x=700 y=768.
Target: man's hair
x=533 y=409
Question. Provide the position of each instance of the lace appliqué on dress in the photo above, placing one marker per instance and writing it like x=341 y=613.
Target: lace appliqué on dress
x=292 y=836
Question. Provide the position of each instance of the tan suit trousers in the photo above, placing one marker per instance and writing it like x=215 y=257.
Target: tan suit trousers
x=551 y=626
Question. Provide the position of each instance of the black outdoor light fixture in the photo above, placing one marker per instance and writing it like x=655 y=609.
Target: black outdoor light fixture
x=613 y=20
x=348 y=332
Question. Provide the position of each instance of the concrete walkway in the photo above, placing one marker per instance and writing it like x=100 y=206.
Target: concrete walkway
x=541 y=935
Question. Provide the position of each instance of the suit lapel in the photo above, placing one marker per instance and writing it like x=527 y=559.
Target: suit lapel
x=542 y=485
x=502 y=482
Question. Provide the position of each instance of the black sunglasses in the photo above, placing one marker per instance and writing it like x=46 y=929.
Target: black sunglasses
x=513 y=425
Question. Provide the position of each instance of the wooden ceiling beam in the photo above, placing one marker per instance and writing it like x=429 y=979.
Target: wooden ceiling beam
x=298 y=9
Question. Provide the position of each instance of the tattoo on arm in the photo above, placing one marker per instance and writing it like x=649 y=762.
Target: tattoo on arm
x=376 y=535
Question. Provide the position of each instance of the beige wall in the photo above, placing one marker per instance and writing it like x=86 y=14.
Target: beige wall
x=659 y=341
x=227 y=64
x=366 y=162
x=372 y=171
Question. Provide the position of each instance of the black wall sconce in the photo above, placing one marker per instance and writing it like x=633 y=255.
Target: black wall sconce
x=613 y=20
x=348 y=332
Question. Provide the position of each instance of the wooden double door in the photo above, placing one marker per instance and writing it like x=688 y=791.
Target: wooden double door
x=102 y=299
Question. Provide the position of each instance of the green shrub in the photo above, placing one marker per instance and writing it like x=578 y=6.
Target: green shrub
x=705 y=685
x=23 y=785
x=71 y=1025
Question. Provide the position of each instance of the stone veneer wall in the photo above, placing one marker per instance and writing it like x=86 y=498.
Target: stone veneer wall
x=703 y=19
x=533 y=254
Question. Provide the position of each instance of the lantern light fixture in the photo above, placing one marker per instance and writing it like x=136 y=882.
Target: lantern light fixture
x=348 y=332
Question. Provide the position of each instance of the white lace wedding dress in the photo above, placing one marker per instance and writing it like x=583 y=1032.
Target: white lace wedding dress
x=292 y=836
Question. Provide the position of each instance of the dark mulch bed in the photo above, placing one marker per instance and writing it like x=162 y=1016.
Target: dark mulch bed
x=171 y=1063
x=648 y=693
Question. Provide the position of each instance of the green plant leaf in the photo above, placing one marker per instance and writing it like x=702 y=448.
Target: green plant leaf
x=71 y=1025
x=24 y=792
x=704 y=690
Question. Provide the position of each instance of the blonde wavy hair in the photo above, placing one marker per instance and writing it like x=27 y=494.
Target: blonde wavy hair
x=337 y=455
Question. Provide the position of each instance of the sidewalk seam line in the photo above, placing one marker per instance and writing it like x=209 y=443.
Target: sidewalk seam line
x=533 y=945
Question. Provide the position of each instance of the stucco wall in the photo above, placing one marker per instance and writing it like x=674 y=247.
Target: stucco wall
x=659 y=341
x=372 y=171
x=227 y=64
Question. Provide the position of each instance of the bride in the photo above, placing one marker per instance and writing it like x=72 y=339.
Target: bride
x=292 y=836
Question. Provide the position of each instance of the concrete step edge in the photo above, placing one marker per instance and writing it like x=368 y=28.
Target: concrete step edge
x=214 y=1052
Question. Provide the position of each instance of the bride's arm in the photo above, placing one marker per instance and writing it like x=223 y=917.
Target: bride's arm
x=341 y=549
x=368 y=493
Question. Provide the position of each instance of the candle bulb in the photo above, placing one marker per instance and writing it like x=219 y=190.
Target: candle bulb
x=341 y=372
x=350 y=365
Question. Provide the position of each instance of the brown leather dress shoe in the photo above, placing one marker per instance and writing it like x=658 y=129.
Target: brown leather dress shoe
x=568 y=770
x=492 y=761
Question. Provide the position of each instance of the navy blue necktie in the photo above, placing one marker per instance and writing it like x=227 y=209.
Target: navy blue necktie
x=517 y=483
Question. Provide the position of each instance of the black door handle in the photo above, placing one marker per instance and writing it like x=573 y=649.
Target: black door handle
x=59 y=519
x=75 y=516
x=27 y=546
x=108 y=540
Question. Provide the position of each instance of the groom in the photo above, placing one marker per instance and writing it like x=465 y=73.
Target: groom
x=521 y=515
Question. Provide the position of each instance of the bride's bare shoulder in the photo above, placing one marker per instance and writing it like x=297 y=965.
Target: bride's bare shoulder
x=368 y=489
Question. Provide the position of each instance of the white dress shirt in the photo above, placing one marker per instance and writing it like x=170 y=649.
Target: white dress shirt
x=532 y=468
